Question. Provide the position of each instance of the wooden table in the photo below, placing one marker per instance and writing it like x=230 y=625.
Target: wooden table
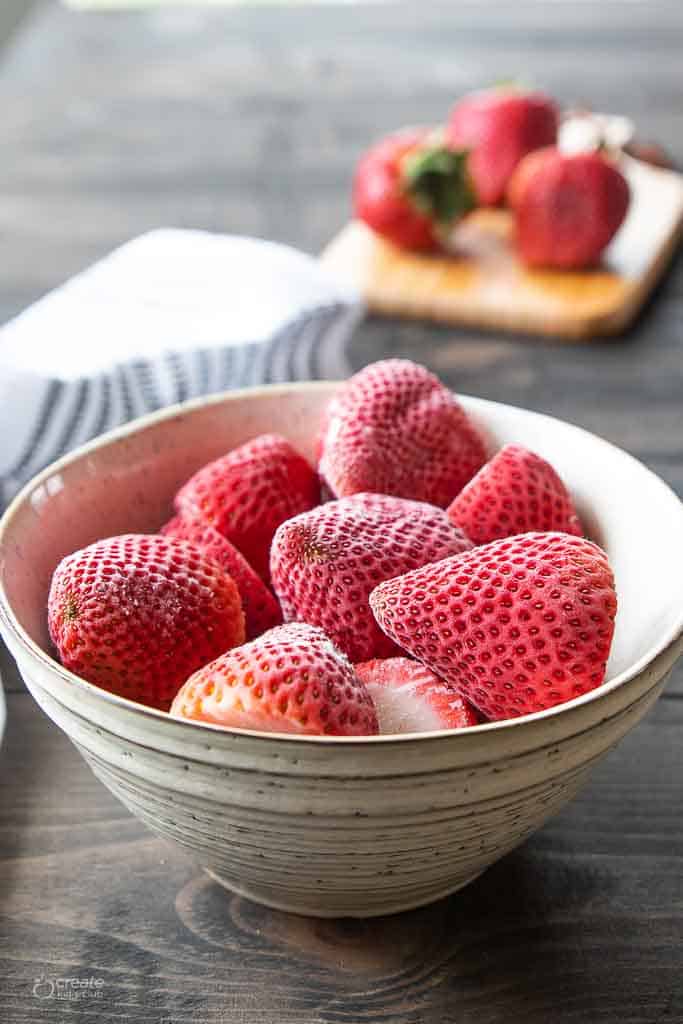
x=250 y=120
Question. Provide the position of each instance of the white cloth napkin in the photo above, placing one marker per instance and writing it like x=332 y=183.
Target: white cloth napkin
x=169 y=316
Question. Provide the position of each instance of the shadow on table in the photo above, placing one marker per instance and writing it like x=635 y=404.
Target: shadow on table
x=517 y=930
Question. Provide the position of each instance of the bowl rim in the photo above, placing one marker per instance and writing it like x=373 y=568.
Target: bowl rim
x=178 y=411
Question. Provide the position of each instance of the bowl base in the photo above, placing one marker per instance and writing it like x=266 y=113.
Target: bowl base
x=316 y=911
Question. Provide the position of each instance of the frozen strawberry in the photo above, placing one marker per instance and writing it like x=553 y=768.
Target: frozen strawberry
x=261 y=610
x=567 y=207
x=325 y=562
x=499 y=127
x=246 y=494
x=516 y=492
x=515 y=626
x=291 y=679
x=138 y=614
x=410 y=698
x=394 y=428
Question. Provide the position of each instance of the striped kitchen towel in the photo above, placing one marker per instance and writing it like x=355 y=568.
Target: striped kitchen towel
x=169 y=316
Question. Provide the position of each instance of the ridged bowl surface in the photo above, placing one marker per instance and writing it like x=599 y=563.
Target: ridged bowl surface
x=315 y=825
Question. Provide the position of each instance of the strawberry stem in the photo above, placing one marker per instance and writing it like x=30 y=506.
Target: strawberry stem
x=436 y=179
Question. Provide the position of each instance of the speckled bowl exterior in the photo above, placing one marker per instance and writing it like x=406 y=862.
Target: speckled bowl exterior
x=348 y=826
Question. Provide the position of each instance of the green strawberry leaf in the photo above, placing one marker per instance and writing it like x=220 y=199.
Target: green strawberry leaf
x=437 y=181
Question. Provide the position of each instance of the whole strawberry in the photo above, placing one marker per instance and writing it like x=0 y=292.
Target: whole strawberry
x=515 y=626
x=410 y=698
x=325 y=562
x=292 y=679
x=394 y=428
x=138 y=614
x=499 y=127
x=516 y=492
x=246 y=494
x=261 y=610
x=411 y=189
x=567 y=207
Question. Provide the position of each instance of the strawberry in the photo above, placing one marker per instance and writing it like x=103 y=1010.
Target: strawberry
x=261 y=610
x=394 y=428
x=650 y=153
x=515 y=626
x=411 y=189
x=516 y=492
x=292 y=679
x=567 y=207
x=410 y=698
x=325 y=562
x=137 y=614
x=246 y=494
x=499 y=127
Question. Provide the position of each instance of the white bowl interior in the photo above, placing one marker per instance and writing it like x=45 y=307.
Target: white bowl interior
x=125 y=483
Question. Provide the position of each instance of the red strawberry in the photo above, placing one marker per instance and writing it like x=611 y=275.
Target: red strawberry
x=138 y=614
x=567 y=207
x=515 y=626
x=324 y=563
x=516 y=492
x=291 y=679
x=261 y=610
x=499 y=127
x=410 y=698
x=410 y=189
x=246 y=494
x=394 y=428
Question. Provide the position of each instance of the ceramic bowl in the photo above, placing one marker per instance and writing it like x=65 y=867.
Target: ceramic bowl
x=339 y=826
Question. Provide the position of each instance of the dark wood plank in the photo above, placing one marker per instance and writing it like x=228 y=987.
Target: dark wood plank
x=583 y=923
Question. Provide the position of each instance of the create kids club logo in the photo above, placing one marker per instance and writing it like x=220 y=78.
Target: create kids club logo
x=68 y=989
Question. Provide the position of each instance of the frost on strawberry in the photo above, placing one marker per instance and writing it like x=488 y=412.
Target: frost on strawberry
x=261 y=610
x=246 y=494
x=409 y=697
x=516 y=492
x=516 y=626
x=292 y=679
x=394 y=428
x=137 y=614
x=325 y=562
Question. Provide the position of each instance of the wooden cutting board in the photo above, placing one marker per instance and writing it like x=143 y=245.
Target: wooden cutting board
x=484 y=285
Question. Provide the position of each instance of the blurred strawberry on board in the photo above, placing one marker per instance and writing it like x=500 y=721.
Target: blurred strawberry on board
x=411 y=189
x=499 y=127
x=567 y=207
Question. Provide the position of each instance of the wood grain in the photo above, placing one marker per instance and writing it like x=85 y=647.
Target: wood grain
x=116 y=124
x=482 y=283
